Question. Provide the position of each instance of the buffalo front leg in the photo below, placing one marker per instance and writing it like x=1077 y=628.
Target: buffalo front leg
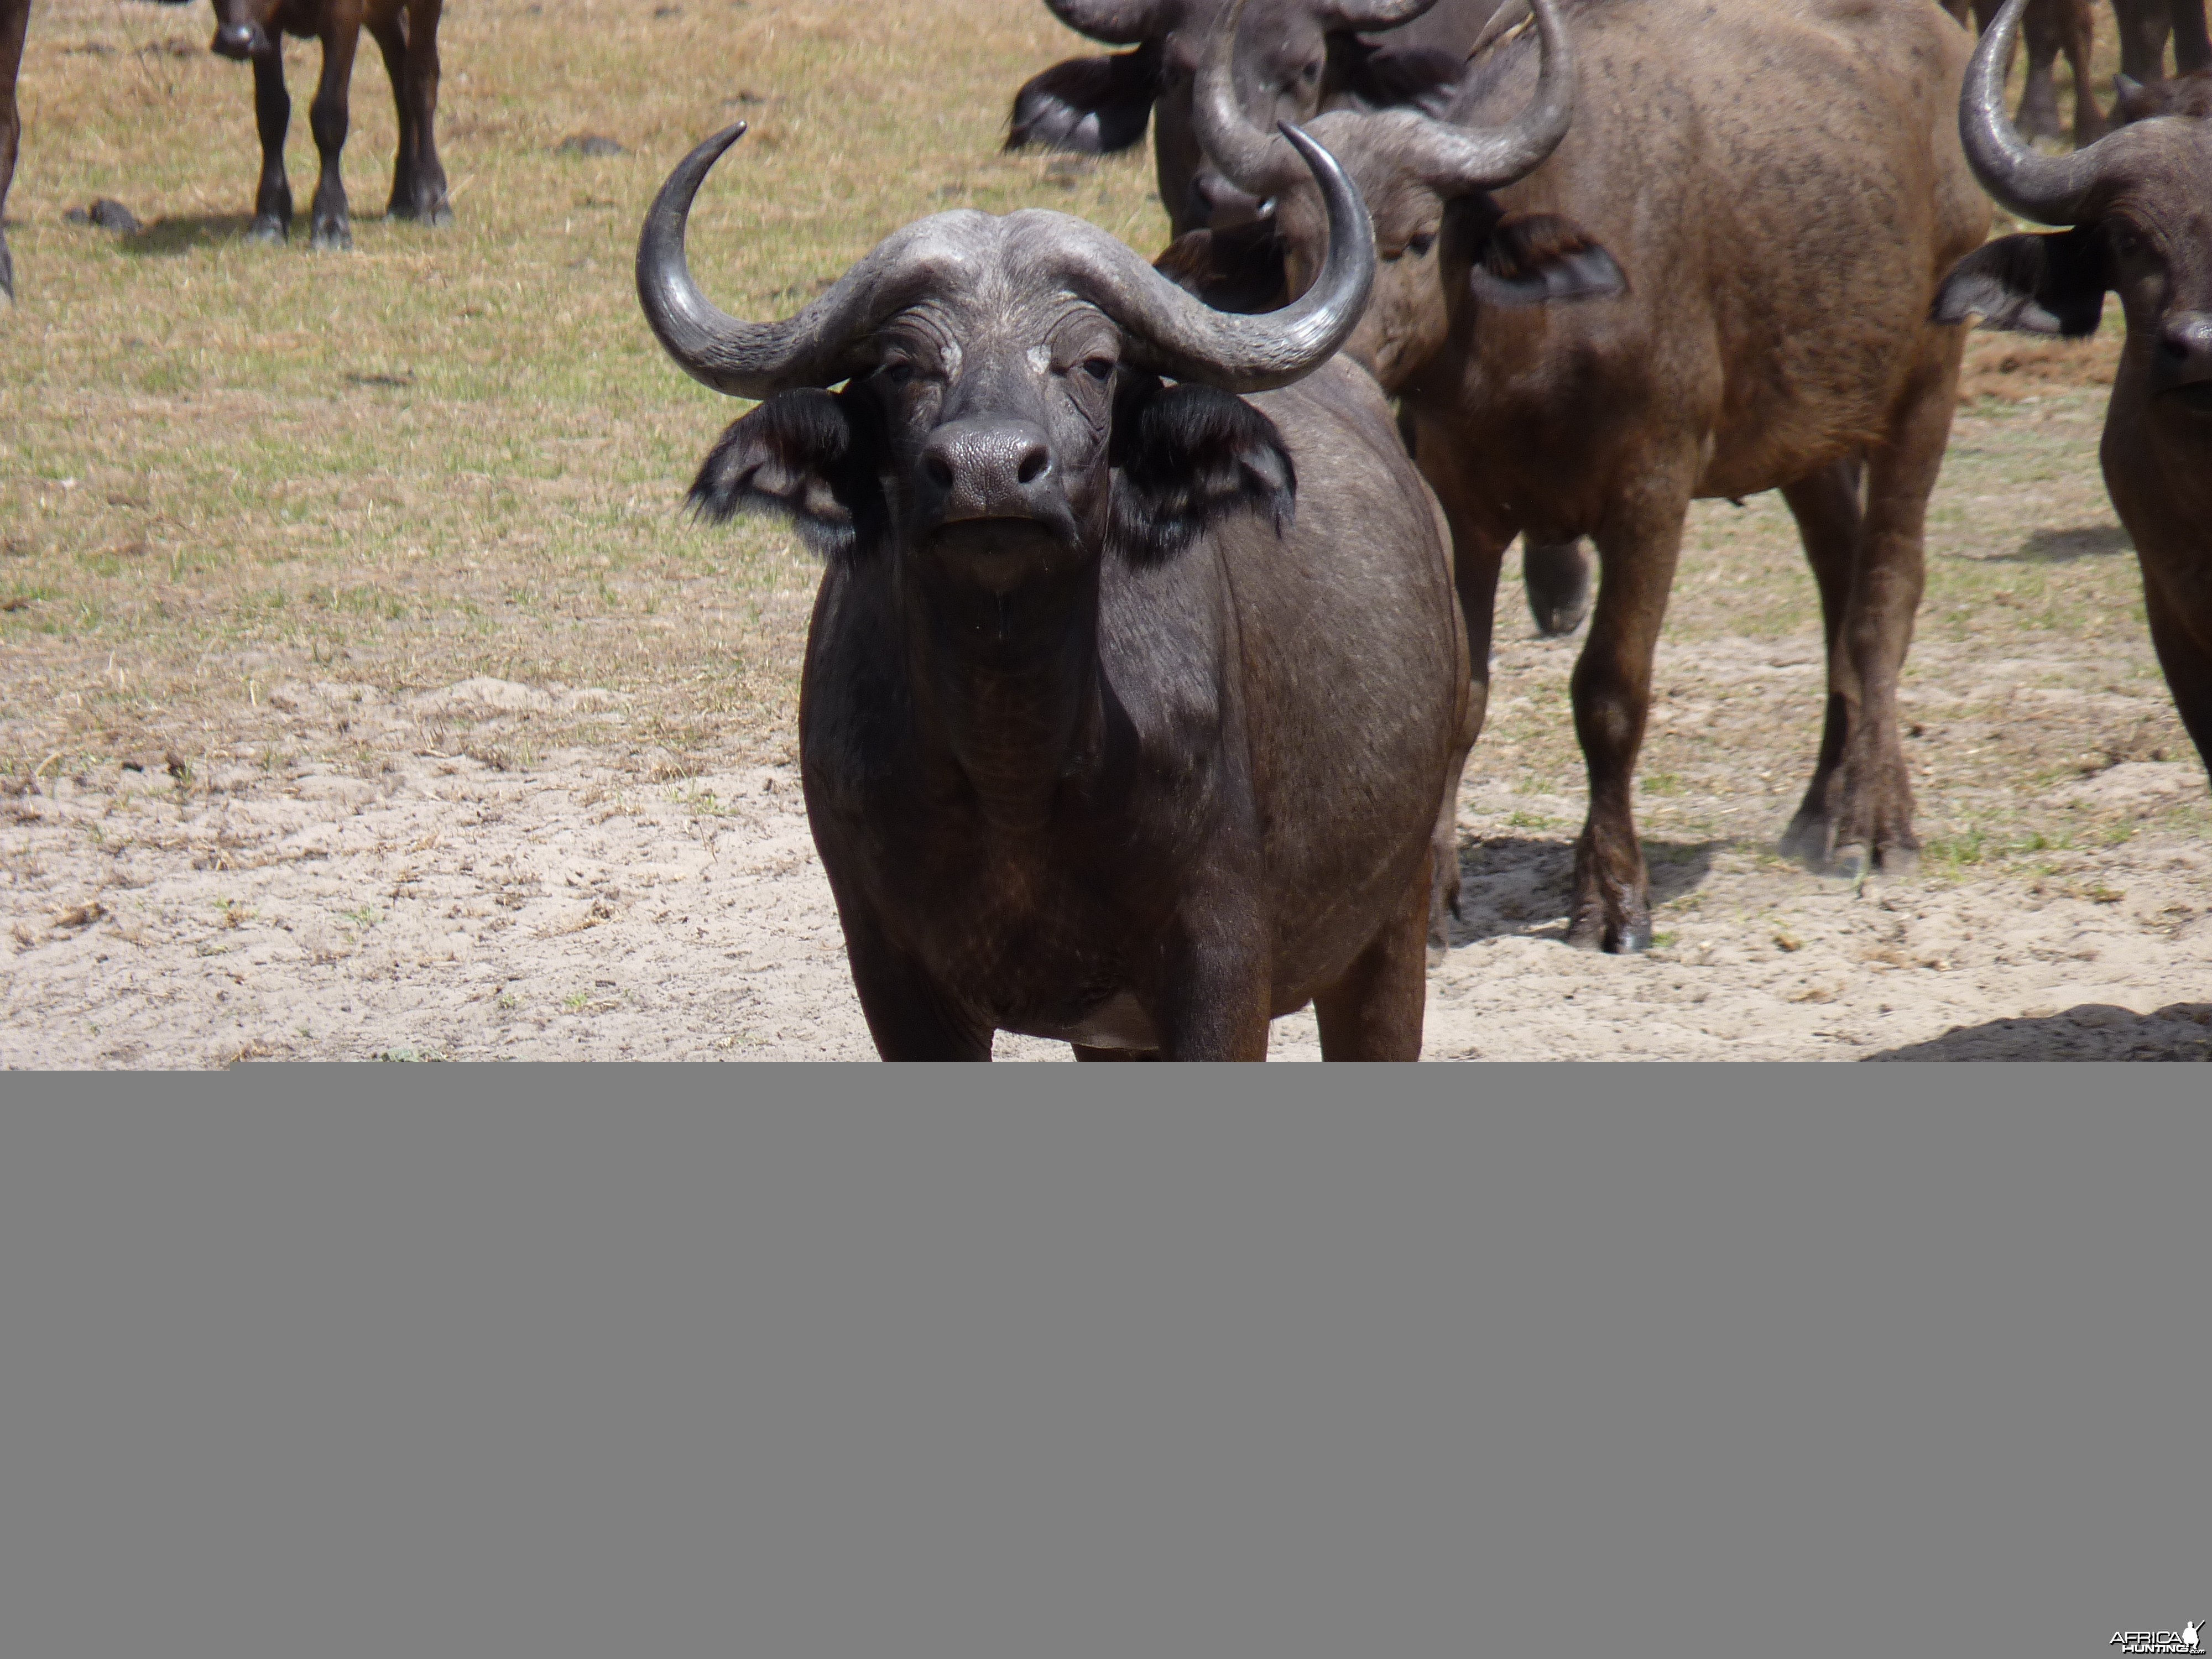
x=1827 y=509
x=1637 y=549
x=2144 y=25
x=418 y=178
x=909 y=1015
x=2078 y=39
x=1374 y=1011
x=331 y=220
x=2038 y=101
x=1860 y=816
x=272 y=116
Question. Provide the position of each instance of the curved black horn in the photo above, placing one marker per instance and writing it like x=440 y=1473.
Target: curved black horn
x=1455 y=160
x=2049 y=189
x=756 y=360
x=1170 y=332
x=1117 y=23
x=1249 y=156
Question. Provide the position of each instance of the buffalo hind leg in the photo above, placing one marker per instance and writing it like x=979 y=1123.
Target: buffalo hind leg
x=1826 y=507
x=272 y=116
x=1637 y=549
x=1374 y=1011
x=331 y=220
x=1557 y=577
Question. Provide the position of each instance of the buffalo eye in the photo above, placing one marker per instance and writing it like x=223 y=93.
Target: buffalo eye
x=898 y=373
x=1098 y=369
x=1419 y=246
x=1310 y=73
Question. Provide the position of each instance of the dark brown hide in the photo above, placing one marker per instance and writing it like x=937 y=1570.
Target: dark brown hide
x=1774 y=334
x=2052 y=26
x=14 y=17
x=1127 y=708
x=406 y=31
x=1294 y=58
x=2141 y=229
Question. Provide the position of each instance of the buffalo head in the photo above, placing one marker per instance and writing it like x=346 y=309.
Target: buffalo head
x=1001 y=415
x=1293 y=58
x=2137 y=206
x=1426 y=183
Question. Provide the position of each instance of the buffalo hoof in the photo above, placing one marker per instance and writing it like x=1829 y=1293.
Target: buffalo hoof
x=1817 y=841
x=1592 y=930
x=333 y=239
x=268 y=228
x=1558 y=578
x=439 y=212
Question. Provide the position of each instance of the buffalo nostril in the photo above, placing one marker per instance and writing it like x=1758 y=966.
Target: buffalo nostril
x=1034 y=465
x=939 y=473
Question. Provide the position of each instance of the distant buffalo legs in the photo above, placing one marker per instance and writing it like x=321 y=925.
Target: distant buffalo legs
x=2052 y=26
x=1857 y=812
x=331 y=223
x=1638 y=549
x=2144 y=25
x=15 y=16
x=272 y=114
x=409 y=40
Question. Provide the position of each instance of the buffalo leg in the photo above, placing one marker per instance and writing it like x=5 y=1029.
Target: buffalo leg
x=1374 y=1011
x=2078 y=39
x=391 y=35
x=2039 y=103
x=2144 y=28
x=1861 y=814
x=908 y=1013
x=1479 y=544
x=1211 y=1001
x=1637 y=552
x=1557 y=575
x=272 y=116
x=418 y=178
x=1084 y=1051
x=15 y=15
x=1828 y=513
x=2192 y=47
x=327 y=117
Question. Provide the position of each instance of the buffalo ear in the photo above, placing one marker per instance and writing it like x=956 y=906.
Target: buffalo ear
x=2030 y=284
x=801 y=455
x=1381 y=77
x=1186 y=458
x=1095 y=105
x=1236 y=270
x=1534 y=259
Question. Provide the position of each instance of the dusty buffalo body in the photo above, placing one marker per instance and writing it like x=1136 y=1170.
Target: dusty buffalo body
x=2053 y=27
x=1127 y=707
x=406 y=31
x=15 y=15
x=2138 y=209
x=1773 y=334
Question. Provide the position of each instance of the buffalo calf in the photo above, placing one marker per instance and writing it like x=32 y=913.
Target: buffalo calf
x=2138 y=212
x=406 y=31
x=1127 y=707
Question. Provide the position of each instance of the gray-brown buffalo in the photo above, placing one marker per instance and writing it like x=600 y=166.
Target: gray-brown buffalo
x=1771 y=332
x=1294 y=58
x=15 y=18
x=2138 y=212
x=1127 y=707
x=406 y=31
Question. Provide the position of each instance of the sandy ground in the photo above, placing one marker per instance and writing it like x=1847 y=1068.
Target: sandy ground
x=465 y=905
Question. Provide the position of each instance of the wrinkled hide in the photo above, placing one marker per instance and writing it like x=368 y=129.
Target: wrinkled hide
x=406 y=33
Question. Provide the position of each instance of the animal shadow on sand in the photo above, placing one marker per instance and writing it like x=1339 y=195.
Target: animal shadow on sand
x=2088 y=541
x=1518 y=884
x=2093 y=1031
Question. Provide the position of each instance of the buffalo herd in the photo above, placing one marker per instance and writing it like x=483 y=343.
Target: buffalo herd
x=1154 y=632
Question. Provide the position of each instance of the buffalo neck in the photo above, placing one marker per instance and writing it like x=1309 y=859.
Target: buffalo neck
x=1005 y=683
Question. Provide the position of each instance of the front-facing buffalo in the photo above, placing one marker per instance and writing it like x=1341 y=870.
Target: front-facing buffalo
x=1127 y=707
x=2139 y=205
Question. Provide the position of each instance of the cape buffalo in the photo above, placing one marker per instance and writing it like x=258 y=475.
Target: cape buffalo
x=1127 y=707
x=2184 y=95
x=1771 y=332
x=2053 y=27
x=15 y=16
x=406 y=31
x=2138 y=209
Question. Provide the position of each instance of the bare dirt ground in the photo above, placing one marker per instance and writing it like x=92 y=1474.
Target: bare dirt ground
x=362 y=693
